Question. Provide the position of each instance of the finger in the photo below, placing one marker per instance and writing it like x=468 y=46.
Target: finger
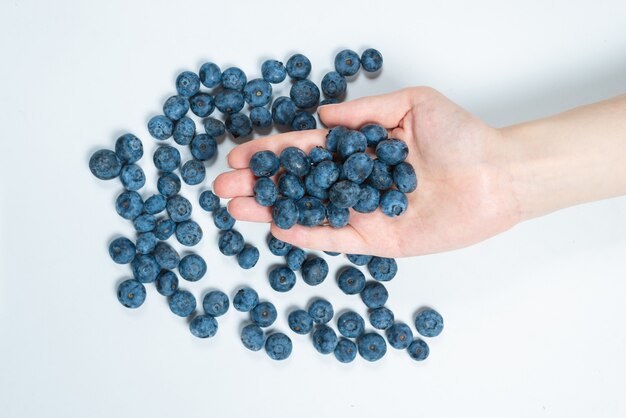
x=323 y=238
x=247 y=209
x=234 y=183
x=387 y=109
x=240 y=156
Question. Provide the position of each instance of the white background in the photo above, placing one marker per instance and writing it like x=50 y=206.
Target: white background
x=534 y=317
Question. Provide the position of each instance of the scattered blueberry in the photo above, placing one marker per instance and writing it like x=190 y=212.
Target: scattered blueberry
x=319 y=154
x=399 y=335
x=381 y=177
x=122 y=250
x=131 y=293
x=188 y=233
x=294 y=258
x=278 y=247
x=278 y=346
x=245 y=299
x=145 y=268
x=325 y=174
x=129 y=205
x=210 y=75
x=429 y=323
x=264 y=163
x=372 y=347
x=392 y=151
x=160 y=127
x=248 y=257
x=295 y=161
x=164 y=229
x=263 y=314
x=229 y=101
x=261 y=117
x=252 y=337
x=146 y=242
x=300 y=321
x=203 y=326
x=285 y=213
x=192 y=267
x=184 y=131
x=105 y=164
x=154 y=204
x=418 y=350
x=203 y=147
x=214 y=127
x=324 y=339
x=166 y=158
x=321 y=311
x=282 y=279
x=350 y=143
x=334 y=135
x=358 y=167
x=178 y=208
x=371 y=60
x=351 y=281
x=350 y=324
x=176 y=107
x=273 y=71
x=193 y=172
x=369 y=199
x=234 y=78
x=230 y=242
x=209 y=201
x=182 y=303
x=257 y=92
x=404 y=177
x=381 y=318
x=168 y=184
x=129 y=148
x=298 y=67
x=344 y=194
x=382 y=269
x=374 y=133
x=311 y=211
x=187 y=83
x=374 y=294
x=290 y=186
x=202 y=105
x=222 y=219
x=239 y=125
x=303 y=121
x=314 y=271
x=166 y=283
x=166 y=256
x=283 y=111
x=347 y=62
x=345 y=351
x=305 y=94
x=334 y=84
x=132 y=177
x=215 y=303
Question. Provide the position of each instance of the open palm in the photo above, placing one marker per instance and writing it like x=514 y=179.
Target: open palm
x=464 y=189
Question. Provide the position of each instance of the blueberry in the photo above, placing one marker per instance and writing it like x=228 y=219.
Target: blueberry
x=404 y=177
x=319 y=154
x=325 y=174
x=214 y=127
x=166 y=283
x=129 y=148
x=168 y=184
x=193 y=172
x=105 y=164
x=350 y=324
x=351 y=281
x=298 y=67
x=164 y=229
x=334 y=84
x=369 y=198
x=166 y=256
x=182 y=303
x=252 y=337
x=311 y=211
x=257 y=92
x=155 y=204
x=203 y=147
x=314 y=271
x=347 y=62
x=230 y=242
x=263 y=314
x=264 y=163
x=371 y=60
x=324 y=339
x=285 y=213
x=210 y=75
x=122 y=250
x=209 y=201
x=381 y=177
x=129 y=205
x=334 y=135
x=351 y=143
x=283 y=111
x=245 y=299
x=321 y=311
x=273 y=71
x=358 y=167
x=166 y=158
x=300 y=321
x=374 y=295
x=344 y=194
x=131 y=293
x=239 y=125
x=278 y=346
x=215 y=303
x=176 y=107
x=184 y=131
x=146 y=242
x=399 y=335
x=429 y=323
x=374 y=133
x=381 y=318
x=229 y=101
x=295 y=161
x=145 y=268
x=382 y=269
x=332 y=253
x=203 y=326
x=144 y=223
x=160 y=127
x=303 y=121
x=294 y=258
x=202 y=104
x=233 y=78
x=392 y=151
x=248 y=257
x=328 y=101
x=132 y=177
x=179 y=208
x=359 y=259
x=313 y=189
x=418 y=350
x=222 y=219
x=188 y=233
x=372 y=347
x=290 y=186
x=192 y=267
x=187 y=83
x=261 y=117
x=278 y=247
x=282 y=279
x=393 y=203
x=345 y=351
x=305 y=94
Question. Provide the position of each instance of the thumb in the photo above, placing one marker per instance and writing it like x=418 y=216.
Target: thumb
x=386 y=110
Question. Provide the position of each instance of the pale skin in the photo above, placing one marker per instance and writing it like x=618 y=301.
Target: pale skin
x=474 y=181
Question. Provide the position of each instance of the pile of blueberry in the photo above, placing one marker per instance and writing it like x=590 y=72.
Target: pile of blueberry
x=314 y=189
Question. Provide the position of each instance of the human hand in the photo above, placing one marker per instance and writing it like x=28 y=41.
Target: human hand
x=464 y=192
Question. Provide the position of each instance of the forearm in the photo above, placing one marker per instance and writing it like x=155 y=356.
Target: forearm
x=574 y=157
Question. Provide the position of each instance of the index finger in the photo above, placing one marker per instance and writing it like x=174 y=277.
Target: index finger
x=240 y=156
